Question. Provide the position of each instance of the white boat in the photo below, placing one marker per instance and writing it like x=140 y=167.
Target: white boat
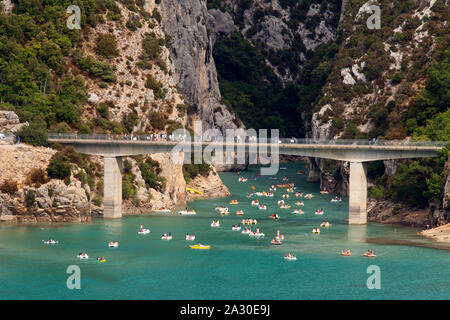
x=166 y=236
x=187 y=212
x=255 y=202
x=50 y=241
x=298 y=211
x=190 y=237
x=239 y=213
x=143 y=231
x=256 y=234
x=82 y=256
x=242 y=179
x=262 y=207
x=319 y=212
x=215 y=224
x=336 y=200
x=246 y=231
x=236 y=228
x=290 y=257
x=113 y=244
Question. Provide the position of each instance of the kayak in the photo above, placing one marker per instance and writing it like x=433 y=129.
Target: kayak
x=200 y=247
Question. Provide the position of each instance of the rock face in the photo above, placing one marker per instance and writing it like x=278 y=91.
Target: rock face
x=339 y=186
x=16 y=161
x=391 y=213
x=211 y=186
x=54 y=202
x=191 y=51
x=173 y=173
x=287 y=29
x=219 y=23
x=9 y=121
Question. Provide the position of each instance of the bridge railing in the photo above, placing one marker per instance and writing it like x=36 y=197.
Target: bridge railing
x=154 y=137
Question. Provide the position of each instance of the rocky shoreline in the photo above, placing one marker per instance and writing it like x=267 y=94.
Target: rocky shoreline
x=439 y=234
x=57 y=202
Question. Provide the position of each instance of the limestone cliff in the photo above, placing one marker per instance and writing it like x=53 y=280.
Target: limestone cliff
x=53 y=201
x=211 y=186
x=376 y=77
x=195 y=71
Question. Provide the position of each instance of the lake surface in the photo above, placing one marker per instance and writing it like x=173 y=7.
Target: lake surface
x=237 y=266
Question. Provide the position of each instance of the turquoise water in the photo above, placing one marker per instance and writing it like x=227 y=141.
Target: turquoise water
x=236 y=267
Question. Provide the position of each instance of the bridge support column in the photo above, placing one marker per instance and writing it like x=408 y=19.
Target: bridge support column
x=112 y=192
x=358 y=193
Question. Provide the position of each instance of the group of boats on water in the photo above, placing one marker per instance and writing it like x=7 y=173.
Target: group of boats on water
x=224 y=210
x=368 y=254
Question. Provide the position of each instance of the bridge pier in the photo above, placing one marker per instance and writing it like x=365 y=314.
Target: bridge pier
x=357 y=211
x=112 y=191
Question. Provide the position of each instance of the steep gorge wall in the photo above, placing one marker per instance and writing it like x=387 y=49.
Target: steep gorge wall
x=195 y=71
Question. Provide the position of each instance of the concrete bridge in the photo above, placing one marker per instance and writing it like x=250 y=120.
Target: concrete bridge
x=357 y=152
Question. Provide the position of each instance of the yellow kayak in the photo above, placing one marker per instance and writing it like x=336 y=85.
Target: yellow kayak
x=200 y=247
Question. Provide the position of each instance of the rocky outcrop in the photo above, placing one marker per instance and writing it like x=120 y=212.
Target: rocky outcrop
x=9 y=121
x=440 y=234
x=7 y=5
x=130 y=93
x=211 y=186
x=16 y=161
x=387 y=212
x=219 y=24
x=336 y=183
x=195 y=70
x=54 y=203
x=285 y=29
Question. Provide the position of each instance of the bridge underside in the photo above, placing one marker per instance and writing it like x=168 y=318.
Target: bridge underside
x=357 y=155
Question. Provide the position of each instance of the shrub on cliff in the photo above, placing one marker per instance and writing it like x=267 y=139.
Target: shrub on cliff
x=156 y=86
x=59 y=167
x=158 y=120
x=98 y=201
x=30 y=198
x=107 y=46
x=149 y=171
x=9 y=186
x=36 y=133
x=36 y=176
x=128 y=188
